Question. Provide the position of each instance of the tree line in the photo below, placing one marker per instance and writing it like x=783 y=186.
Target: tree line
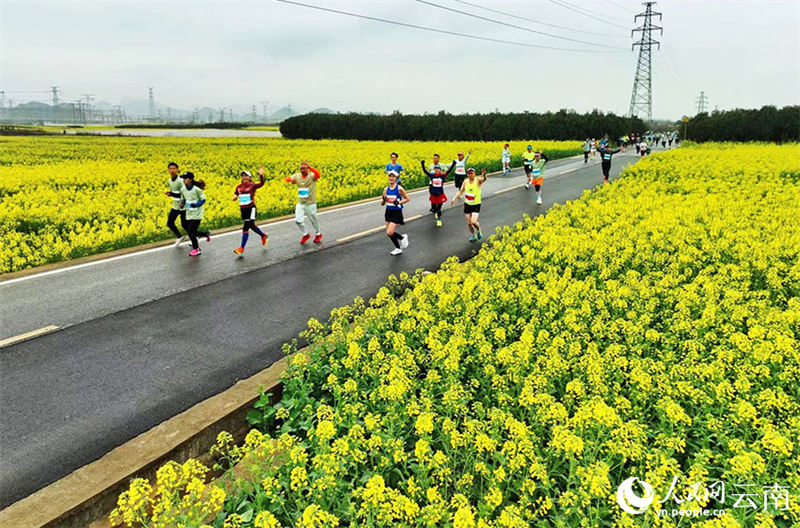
x=766 y=124
x=561 y=125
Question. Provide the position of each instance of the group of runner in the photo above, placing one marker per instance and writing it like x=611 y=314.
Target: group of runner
x=188 y=199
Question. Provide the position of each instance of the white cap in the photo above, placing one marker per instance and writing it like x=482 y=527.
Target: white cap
x=391 y=172
x=247 y=173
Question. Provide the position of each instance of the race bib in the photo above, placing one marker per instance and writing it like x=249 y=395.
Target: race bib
x=606 y=156
x=302 y=192
x=537 y=172
x=460 y=170
x=469 y=198
x=436 y=182
x=245 y=199
x=391 y=199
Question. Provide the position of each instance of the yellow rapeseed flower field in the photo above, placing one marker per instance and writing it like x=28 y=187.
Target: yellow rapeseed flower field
x=68 y=197
x=650 y=329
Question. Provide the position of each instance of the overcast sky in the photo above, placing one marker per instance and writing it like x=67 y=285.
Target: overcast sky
x=234 y=54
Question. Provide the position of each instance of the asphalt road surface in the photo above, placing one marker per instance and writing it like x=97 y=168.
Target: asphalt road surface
x=145 y=336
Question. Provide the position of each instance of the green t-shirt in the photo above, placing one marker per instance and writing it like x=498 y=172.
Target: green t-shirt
x=537 y=168
x=175 y=186
x=195 y=194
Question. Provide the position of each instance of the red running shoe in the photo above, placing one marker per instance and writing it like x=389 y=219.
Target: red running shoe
x=318 y=238
x=305 y=238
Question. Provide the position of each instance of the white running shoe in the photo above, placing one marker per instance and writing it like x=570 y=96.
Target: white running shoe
x=178 y=241
x=404 y=242
x=396 y=251
x=539 y=200
x=527 y=185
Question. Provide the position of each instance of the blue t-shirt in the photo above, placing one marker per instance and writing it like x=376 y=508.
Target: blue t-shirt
x=397 y=168
x=393 y=198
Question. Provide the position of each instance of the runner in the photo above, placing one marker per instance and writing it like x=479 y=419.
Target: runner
x=505 y=157
x=605 y=156
x=471 y=189
x=436 y=189
x=537 y=170
x=394 y=197
x=586 y=148
x=643 y=147
x=436 y=163
x=663 y=141
x=193 y=198
x=175 y=185
x=527 y=159
x=593 y=147
x=394 y=166
x=245 y=194
x=306 y=201
x=461 y=172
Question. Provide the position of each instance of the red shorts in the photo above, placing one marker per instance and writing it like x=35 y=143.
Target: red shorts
x=438 y=198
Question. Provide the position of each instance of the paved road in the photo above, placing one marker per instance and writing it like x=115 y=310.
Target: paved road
x=149 y=335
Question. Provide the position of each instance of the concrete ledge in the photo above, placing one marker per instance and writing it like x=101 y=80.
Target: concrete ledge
x=88 y=494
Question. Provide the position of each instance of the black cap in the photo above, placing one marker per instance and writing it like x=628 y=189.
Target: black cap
x=186 y=175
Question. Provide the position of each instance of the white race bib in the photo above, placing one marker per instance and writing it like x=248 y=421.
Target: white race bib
x=436 y=182
x=469 y=198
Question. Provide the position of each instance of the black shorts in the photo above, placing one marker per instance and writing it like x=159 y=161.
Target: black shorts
x=469 y=209
x=527 y=168
x=248 y=213
x=394 y=216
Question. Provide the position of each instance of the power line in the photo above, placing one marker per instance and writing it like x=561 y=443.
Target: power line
x=439 y=31
x=517 y=27
x=612 y=2
x=572 y=8
x=539 y=21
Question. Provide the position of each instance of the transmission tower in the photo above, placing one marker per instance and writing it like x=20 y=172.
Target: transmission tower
x=54 y=89
x=264 y=109
x=88 y=109
x=254 y=114
x=701 y=102
x=152 y=108
x=642 y=95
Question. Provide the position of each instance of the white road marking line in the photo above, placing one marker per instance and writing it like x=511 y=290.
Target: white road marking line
x=508 y=189
x=27 y=335
x=373 y=230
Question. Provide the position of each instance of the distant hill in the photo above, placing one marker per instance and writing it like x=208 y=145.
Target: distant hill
x=284 y=113
x=322 y=110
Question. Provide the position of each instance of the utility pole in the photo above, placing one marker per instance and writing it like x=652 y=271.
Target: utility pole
x=88 y=112
x=701 y=102
x=254 y=114
x=54 y=89
x=221 y=115
x=264 y=109
x=642 y=95
x=152 y=101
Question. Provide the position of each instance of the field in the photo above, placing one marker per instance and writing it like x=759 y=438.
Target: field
x=650 y=329
x=68 y=197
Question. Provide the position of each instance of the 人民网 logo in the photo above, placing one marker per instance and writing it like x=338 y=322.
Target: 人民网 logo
x=629 y=501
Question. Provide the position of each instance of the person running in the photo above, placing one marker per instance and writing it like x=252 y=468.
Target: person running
x=394 y=197
x=245 y=194
x=306 y=201
x=537 y=174
x=593 y=147
x=643 y=147
x=436 y=163
x=461 y=171
x=394 y=166
x=605 y=157
x=505 y=157
x=471 y=189
x=586 y=148
x=436 y=189
x=175 y=185
x=193 y=199
x=663 y=141
x=527 y=159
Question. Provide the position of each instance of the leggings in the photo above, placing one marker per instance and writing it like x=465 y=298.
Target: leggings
x=458 y=179
x=192 y=230
x=606 y=168
x=437 y=209
x=173 y=215
x=586 y=156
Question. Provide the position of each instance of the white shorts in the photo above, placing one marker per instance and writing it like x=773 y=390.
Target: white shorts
x=300 y=212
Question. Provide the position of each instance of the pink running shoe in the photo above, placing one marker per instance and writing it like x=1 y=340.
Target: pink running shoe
x=194 y=252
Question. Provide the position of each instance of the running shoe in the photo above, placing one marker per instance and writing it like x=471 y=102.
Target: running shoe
x=480 y=235
x=305 y=238
x=318 y=238
x=179 y=240
x=194 y=252
x=472 y=238
x=438 y=222
x=396 y=251
x=239 y=251
x=208 y=236
x=404 y=242
x=265 y=240
x=527 y=185
x=539 y=200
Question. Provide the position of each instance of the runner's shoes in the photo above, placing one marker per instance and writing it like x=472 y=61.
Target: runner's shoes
x=472 y=238
x=396 y=251
x=438 y=222
x=318 y=238
x=305 y=238
x=179 y=240
x=208 y=236
x=195 y=252
x=265 y=240
x=480 y=235
x=404 y=242
x=239 y=251
x=538 y=199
